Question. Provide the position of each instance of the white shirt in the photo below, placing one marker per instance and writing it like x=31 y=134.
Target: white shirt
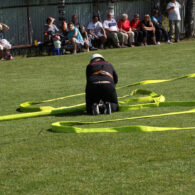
x=96 y=28
x=174 y=14
x=112 y=25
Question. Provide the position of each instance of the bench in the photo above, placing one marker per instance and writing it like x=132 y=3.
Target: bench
x=31 y=50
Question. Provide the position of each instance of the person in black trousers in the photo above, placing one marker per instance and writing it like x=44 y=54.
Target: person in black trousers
x=101 y=96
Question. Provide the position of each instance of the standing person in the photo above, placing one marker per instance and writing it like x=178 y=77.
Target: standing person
x=97 y=32
x=101 y=96
x=148 y=29
x=75 y=21
x=113 y=32
x=125 y=28
x=160 y=29
x=74 y=37
x=135 y=27
x=173 y=9
x=5 y=46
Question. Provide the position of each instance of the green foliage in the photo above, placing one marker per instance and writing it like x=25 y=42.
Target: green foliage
x=35 y=161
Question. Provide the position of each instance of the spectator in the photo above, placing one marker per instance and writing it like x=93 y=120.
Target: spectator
x=97 y=32
x=56 y=41
x=74 y=37
x=64 y=28
x=112 y=31
x=84 y=34
x=101 y=96
x=50 y=29
x=148 y=29
x=125 y=28
x=135 y=27
x=5 y=46
x=173 y=9
x=160 y=29
x=75 y=21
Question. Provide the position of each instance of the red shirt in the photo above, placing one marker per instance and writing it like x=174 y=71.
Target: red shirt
x=125 y=25
x=134 y=24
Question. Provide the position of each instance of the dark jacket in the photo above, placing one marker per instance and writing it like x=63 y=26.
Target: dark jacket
x=95 y=67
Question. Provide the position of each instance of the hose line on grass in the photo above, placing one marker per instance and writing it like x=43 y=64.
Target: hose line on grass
x=150 y=100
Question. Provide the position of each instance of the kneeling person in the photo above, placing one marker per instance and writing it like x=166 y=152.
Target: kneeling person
x=101 y=96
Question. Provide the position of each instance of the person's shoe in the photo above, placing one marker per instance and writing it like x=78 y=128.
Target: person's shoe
x=158 y=43
x=101 y=46
x=169 y=42
x=95 y=109
x=93 y=48
x=117 y=46
x=9 y=57
x=123 y=46
x=107 y=109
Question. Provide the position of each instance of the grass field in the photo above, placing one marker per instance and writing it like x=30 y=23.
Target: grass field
x=34 y=160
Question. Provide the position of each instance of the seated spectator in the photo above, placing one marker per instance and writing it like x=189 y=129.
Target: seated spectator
x=5 y=46
x=50 y=29
x=84 y=34
x=74 y=37
x=148 y=29
x=97 y=32
x=160 y=29
x=64 y=28
x=135 y=27
x=75 y=21
x=125 y=28
x=113 y=32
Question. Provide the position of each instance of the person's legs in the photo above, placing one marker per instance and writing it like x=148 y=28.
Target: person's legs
x=125 y=38
x=145 y=35
x=104 y=92
x=121 y=37
x=177 y=30
x=153 y=37
x=92 y=96
x=171 y=27
x=114 y=37
x=109 y=94
x=131 y=38
x=140 y=37
x=103 y=41
x=158 y=34
x=86 y=44
x=164 y=33
x=136 y=36
x=1 y=51
x=73 y=40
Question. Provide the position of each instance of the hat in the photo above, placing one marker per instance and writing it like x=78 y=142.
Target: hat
x=56 y=38
x=96 y=56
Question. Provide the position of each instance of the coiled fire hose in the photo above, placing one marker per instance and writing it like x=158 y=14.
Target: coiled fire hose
x=150 y=100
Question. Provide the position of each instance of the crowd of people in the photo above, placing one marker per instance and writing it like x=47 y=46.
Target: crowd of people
x=74 y=37
x=118 y=34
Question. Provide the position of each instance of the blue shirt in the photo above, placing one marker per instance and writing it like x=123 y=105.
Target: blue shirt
x=154 y=19
x=78 y=37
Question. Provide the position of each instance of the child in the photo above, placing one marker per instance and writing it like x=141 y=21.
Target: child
x=56 y=41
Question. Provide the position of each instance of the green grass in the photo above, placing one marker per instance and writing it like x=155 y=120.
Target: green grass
x=34 y=160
